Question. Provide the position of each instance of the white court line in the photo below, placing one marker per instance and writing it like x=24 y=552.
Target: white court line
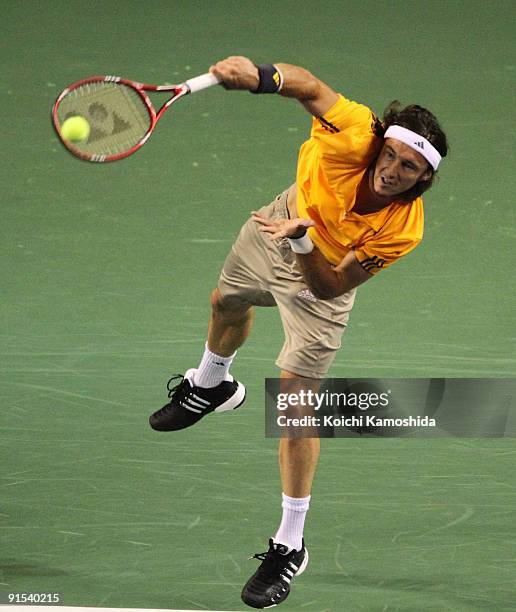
x=22 y=608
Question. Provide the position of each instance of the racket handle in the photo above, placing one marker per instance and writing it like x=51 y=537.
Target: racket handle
x=201 y=82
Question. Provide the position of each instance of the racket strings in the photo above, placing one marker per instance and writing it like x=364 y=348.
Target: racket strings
x=117 y=115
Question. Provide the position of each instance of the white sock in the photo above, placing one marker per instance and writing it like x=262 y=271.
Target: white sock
x=212 y=370
x=290 y=531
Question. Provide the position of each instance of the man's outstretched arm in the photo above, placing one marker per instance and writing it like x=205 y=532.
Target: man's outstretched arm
x=239 y=72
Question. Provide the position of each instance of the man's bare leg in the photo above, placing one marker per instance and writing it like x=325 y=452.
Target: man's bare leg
x=230 y=324
x=215 y=389
x=298 y=457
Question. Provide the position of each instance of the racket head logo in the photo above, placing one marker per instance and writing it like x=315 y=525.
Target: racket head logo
x=120 y=114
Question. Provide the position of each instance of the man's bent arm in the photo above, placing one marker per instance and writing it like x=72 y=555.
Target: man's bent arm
x=326 y=281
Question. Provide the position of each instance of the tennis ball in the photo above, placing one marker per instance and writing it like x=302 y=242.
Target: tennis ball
x=75 y=129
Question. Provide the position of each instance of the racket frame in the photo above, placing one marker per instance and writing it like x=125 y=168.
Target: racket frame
x=179 y=91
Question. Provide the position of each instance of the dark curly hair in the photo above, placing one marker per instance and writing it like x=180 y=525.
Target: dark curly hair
x=423 y=122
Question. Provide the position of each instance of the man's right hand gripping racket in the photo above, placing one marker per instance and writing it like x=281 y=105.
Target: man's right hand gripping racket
x=116 y=114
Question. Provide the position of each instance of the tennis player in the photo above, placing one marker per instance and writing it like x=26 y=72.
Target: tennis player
x=354 y=210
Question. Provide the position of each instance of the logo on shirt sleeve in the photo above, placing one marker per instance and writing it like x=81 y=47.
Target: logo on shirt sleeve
x=329 y=127
x=371 y=263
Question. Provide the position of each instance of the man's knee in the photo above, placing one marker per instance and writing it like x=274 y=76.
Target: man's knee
x=229 y=307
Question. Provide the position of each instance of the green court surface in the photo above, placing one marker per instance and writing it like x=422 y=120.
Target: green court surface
x=106 y=274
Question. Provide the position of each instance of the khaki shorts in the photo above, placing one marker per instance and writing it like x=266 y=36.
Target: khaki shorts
x=264 y=272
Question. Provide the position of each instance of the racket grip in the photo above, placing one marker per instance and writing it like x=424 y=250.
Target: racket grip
x=202 y=82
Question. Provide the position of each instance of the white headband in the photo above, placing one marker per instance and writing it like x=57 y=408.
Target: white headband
x=416 y=142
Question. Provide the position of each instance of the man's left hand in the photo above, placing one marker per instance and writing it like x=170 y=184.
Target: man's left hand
x=282 y=228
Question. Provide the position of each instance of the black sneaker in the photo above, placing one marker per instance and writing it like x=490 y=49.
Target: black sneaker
x=270 y=584
x=188 y=403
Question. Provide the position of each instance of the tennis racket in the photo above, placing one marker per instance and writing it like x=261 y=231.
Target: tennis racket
x=119 y=113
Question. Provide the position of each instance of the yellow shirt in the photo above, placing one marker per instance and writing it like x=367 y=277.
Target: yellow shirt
x=331 y=165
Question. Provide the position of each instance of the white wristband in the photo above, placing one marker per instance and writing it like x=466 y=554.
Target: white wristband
x=302 y=245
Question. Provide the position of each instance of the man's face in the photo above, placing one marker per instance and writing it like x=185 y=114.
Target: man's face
x=398 y=168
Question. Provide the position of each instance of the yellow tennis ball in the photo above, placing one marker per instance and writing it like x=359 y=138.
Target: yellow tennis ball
x=76 y=129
